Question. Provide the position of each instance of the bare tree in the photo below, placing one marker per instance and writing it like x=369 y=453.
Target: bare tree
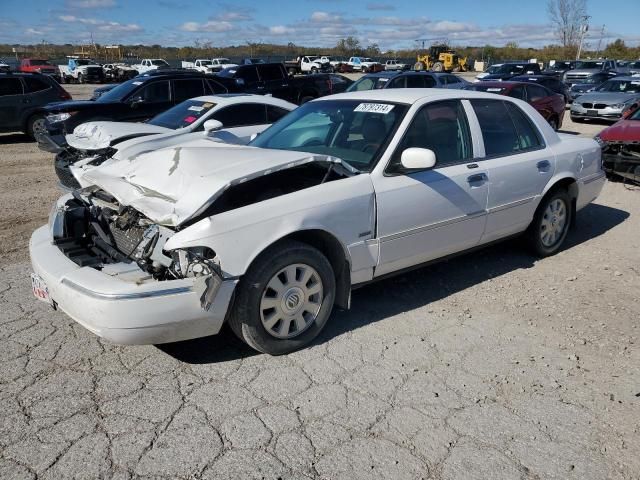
x=567 y=17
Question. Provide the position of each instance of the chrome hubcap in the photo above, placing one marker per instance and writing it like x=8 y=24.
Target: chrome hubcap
x=291 y=301
x=553 y=223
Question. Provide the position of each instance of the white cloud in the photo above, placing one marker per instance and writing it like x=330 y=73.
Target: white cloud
x=280 y=30
x=91 y=3
x=324 y=17
x=33 y=31
x=445 y=26
x=211 y=26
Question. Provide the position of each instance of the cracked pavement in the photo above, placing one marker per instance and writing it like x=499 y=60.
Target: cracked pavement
x=492 y=365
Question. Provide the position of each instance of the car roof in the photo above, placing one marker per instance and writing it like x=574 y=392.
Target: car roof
x=234 y=98
x=395 y=73
x=535 y=77
x=627 y=78
x=406 y=95
x=23 y=74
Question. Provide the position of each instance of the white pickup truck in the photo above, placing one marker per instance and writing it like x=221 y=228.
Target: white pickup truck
x=81 y=70
x=395 y=65
x=205 y=65
x=148 y=64
x=363 y=64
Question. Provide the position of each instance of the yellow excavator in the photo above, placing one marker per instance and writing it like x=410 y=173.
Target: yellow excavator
x=441 y=58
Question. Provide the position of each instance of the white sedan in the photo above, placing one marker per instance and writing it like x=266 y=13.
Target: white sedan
x=270 y=237
x=231 y=118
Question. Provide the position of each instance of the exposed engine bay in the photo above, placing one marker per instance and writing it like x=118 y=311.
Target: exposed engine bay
x=96 y=231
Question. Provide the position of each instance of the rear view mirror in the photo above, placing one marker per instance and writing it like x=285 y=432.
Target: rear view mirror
x=418 y=159
x=212 y=125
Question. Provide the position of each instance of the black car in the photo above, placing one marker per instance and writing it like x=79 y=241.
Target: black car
x=273 y=79
x=552 y=83
x=135 y=100
x=507 y=71
x=22 y=96
x=398 y=79
x=559 y=68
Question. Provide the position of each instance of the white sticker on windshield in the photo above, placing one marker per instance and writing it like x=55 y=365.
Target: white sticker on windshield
x=137 y=83
x=383 y=108
x=195 y=108
x=494 y=89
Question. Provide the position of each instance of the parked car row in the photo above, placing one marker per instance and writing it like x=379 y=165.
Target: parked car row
x=182 y=224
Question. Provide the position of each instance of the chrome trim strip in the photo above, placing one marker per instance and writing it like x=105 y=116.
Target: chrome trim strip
x=432 y=226
x=124 y=296
x=597 y=177
x=506 y=206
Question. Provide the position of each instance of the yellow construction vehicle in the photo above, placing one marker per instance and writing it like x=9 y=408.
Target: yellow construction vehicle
x=441 y=58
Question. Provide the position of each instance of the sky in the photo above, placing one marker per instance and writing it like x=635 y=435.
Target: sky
x=391 y=24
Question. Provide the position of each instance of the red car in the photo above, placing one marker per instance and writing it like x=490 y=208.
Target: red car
x=38 y=65
x=549 y=104
x=621 y=145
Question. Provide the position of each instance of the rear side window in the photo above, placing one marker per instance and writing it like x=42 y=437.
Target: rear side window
x=275 y=113
x=186 y=89
x=499 y=136
x=528 y=135
x=241 y=115
x=400 y=82
x=451 y=79
x=270 y=73
x=10 y=86
x=536 y=93
x=35 y=84
x=518 y=92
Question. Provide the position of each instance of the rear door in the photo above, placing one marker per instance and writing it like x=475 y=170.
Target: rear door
x=12 y=102
x=39 y=91
x=541 y=99
x=275 y=80
x=518 y=162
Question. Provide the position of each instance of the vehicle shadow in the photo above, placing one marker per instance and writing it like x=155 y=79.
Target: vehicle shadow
x=411 y=290
x=13 y=138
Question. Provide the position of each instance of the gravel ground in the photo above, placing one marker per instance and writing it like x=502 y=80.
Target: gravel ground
x=492 y=365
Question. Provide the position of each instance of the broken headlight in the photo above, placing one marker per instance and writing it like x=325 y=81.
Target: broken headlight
x=194 y=262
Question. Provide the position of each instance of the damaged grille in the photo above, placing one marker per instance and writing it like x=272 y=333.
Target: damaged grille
x=127 y=240
x=65 y=176
x=622 y=159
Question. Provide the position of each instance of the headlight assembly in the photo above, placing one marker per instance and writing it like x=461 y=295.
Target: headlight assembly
x=59 y=117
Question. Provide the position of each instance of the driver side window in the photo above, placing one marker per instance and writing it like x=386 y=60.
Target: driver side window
x=441 y=127
x=155 y=92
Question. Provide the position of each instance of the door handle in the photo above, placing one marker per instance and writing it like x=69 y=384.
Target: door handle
x=477 y=179
x=472 y=165
x=544 y=166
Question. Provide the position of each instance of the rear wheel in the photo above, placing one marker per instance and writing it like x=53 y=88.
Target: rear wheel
x=285 y=299
x=550 y=224
x=438 y=67
x=36 y=125
x=418 y=67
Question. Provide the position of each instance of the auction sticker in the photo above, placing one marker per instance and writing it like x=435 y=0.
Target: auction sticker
x=383 y=108
x=195 y=108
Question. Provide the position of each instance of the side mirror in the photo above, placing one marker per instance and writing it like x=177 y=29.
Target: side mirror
x=212 y=125
x=418 y=159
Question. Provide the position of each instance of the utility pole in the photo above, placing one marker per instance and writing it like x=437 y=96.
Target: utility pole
x=583 y=32
x=600 y=41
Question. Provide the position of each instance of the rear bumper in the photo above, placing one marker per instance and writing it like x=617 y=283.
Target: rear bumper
x=589 y=189
x=126 y=312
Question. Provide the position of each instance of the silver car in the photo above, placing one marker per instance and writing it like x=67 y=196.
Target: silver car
x=608 y=101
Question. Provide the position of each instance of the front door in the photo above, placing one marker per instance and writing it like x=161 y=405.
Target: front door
x=149 y=100
x=424 y=215
x=12 y=102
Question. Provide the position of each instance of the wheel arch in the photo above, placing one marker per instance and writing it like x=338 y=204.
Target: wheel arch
x=565 y=182
x=329 y=245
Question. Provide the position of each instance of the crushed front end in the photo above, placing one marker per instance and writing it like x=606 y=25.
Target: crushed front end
x=622 y=159
x=105 y=266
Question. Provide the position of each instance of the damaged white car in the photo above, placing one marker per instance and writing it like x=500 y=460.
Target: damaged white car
x=231 y=118
x=270 y=237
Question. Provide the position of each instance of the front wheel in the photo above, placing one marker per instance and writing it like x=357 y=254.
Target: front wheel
x=285 y=299
x=550 y=224
x=36 y=125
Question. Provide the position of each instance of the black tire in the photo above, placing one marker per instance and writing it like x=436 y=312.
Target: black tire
x=33 y=124
x=535 y=232
x=418 y=67
x=438 y=67
x=553 y=122
x=314 y=70
x=246 y=318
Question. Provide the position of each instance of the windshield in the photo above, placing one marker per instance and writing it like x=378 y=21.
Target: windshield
x=368 y=83
x=84 y=62
x=597 y=65
x=366 y=60
x=224 y=61
x=205 y=62
x=118 y=92
x=313 y=59
x=182 y=115
x=494 y=68
x=620 y=86
x=592 y=80
x=39 y=62
x=352 y=130
x=562 y=65
x=159 y=63
x=634 y=65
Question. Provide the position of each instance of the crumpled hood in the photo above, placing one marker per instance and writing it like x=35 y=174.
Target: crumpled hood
x=609 y=98
x=172 y=185
x=622 y=131
x=99 y=135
